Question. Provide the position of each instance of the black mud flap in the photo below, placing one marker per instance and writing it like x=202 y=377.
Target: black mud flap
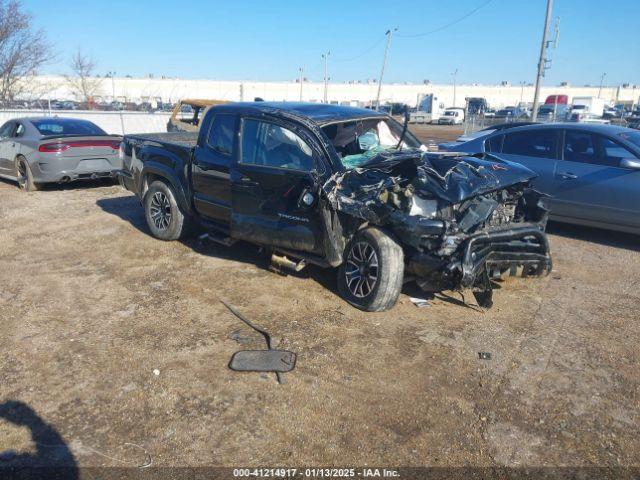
x=263 y=361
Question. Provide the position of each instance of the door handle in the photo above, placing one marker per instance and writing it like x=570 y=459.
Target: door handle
x=248 y=182
x=567 y=176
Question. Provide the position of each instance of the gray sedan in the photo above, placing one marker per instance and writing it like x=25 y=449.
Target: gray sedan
x=592 y=172
x=34 y=151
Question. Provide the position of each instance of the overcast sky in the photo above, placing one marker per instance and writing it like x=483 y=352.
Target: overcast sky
x=271 y=40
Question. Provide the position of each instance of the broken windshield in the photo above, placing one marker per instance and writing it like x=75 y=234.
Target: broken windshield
x=357 y=141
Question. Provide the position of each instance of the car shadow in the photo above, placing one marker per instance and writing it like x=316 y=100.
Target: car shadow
x=129 y=209
x=80 y=185
x=52 y=457
x=609 y=238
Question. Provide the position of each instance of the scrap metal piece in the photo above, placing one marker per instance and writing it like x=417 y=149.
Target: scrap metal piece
x=263 y=361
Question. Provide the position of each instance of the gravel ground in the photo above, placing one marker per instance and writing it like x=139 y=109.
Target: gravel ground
x=116 y=344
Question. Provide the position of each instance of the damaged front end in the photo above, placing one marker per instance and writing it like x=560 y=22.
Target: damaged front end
x=460 y=220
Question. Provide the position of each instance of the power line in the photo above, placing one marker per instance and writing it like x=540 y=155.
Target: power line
x=368 y=50
x=450 y=24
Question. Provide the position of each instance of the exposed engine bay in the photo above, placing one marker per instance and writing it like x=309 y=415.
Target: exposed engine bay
x=461 y=220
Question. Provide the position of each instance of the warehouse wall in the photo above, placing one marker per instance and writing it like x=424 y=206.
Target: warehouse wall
x=172 y=90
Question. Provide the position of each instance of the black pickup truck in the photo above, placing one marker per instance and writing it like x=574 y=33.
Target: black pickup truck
x=342 y=187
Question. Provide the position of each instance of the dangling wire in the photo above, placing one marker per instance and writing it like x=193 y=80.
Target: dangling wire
x=450 y=24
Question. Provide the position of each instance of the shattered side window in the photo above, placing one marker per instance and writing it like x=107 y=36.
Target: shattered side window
x=271 y=145
x=357 y=141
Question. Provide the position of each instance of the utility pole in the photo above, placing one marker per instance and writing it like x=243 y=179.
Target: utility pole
x=301 y=81
x=454 y=74
x=325 y=57
x=542 y=62
x=601 y=83
x=389 y=35
x=113 y=94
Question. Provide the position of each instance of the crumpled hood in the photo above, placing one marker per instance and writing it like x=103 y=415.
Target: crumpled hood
x=455 y=178
x=449 y=177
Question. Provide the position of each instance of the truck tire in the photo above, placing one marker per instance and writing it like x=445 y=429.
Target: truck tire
x=25 y=176
x=164 y=217
x=370 y=278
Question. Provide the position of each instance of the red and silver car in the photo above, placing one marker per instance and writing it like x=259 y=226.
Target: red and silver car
x=39 y=150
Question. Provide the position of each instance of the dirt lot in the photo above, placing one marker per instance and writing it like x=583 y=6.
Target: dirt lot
x=119 y=343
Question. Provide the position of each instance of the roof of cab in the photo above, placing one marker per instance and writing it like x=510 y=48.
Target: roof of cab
x=320 y=113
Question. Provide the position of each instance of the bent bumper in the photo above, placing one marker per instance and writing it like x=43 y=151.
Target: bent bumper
x=488 y=253
x=73 y=169
x=500 y=250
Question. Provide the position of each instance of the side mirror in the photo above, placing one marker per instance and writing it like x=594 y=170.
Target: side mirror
x=631 y=163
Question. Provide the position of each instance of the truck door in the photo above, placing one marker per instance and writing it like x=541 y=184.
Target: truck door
x=275 y=187
x=212 y=159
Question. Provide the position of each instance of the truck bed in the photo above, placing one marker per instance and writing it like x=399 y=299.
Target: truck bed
x=182 y=139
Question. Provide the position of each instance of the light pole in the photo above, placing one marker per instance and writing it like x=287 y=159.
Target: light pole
x=325 y=57
x=389 y=35
x=542 y=61
x=301 y=80
x=113 y=95
x=601 y=83
x=521 y=91
x=454 y=75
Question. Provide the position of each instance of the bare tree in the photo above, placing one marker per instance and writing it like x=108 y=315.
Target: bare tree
x=22 y=50
x=84 y=83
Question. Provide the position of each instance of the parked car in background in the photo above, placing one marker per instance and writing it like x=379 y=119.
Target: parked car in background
x=592 y=105
x=489 y=113
x=341 y=187
x=552 y=112
x=452 y=116
x=188 y=113
x=37 y=150
x=515 y=113
x=592 y=172
x=587 y=117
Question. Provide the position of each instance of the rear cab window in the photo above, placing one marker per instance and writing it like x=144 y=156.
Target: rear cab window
x=221 y=134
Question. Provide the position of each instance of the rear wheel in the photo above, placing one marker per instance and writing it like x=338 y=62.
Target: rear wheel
x=370 y=278
x=164 y=217
x=25 y=176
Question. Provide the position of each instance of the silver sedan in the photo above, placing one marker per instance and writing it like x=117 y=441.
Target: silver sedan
x=34 y=151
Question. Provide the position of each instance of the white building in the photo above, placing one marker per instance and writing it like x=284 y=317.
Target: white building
x=172 y=89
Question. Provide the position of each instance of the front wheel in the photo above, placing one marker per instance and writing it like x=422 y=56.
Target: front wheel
x=370 y=278
x=164 y=217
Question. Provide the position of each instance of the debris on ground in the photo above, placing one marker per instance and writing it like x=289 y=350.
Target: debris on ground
x=270 y=360
x=420 y=302
x=484 y=355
